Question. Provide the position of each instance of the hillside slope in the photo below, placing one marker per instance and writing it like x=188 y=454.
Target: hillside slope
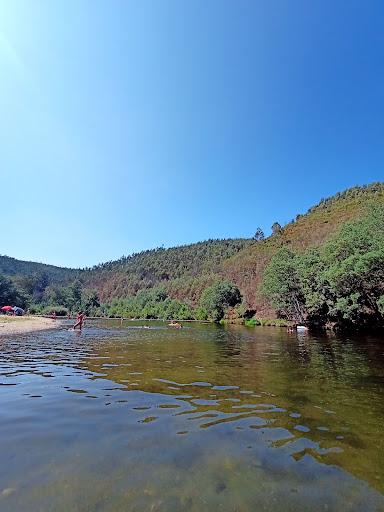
x=312 y=229
x=186 y=271
x=13 y=267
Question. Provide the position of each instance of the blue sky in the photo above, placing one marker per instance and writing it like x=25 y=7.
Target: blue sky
x=128 y=125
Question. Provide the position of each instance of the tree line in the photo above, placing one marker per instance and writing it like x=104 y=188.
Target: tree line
x=156 y=304
x=38 y=296
x=321 y=271
x=339 y=284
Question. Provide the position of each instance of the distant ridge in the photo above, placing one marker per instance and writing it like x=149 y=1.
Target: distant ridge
x=14 y=267
x=185 y=271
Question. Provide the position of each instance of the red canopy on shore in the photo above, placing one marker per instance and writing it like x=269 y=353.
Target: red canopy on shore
x=7 y=308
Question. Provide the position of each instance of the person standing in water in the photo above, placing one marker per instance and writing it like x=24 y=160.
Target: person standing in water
x=79 y=320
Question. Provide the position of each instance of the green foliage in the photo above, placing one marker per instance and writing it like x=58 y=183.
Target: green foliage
x=90 y=301
x=32 y=286
x=72 y=297
x=252 y=322
x=282 y=285
x=341 y=283
x=355 y=193
x=183 y=271
x=217 y=298
x=273 y=322
x=266 y=322
x=40 y=298
x=9 y=294
x=12 y=267
x=41 y=309
x=311 y=230
x=58 y=310
x=150 y=304
x=240 y=311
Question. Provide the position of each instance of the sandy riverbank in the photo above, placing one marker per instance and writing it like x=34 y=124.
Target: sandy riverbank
x=19 y=325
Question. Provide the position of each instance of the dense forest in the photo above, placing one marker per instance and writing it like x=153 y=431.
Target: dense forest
x=339 y=283
x=325 y=267
x=13 y=267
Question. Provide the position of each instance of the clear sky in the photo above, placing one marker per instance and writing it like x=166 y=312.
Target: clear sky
x=127 y=125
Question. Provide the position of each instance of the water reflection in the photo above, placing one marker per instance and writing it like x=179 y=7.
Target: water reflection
x=207 y=417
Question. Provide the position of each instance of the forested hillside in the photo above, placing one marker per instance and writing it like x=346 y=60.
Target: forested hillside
x=312 y=229
x=13 y=267
x=24 y=283
x=184 y=271
x=200 y=280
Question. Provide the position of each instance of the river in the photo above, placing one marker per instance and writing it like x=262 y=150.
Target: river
x=126 y=418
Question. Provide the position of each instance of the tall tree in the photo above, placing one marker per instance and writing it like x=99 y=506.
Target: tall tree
x=281 y=284
x=9 y=295
x=259 y=234
x=218 y=297
x=276 y=228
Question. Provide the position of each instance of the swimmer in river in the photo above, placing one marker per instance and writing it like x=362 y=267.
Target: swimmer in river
x=175 y=325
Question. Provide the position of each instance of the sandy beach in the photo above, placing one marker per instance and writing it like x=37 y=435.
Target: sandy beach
x=20 y=325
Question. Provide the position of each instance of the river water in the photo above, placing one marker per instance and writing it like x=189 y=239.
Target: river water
x=126 y=418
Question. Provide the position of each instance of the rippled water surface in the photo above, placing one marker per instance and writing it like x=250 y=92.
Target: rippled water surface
x=125 y=418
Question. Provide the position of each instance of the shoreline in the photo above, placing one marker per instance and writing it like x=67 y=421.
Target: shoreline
x=10 y=325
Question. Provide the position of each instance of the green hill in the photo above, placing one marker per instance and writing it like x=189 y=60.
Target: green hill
x=184 y=273
x=13 y=267
x=312 y=229
x=187 y=270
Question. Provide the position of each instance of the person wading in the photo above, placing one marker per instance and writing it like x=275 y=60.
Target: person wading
x=79 y=320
